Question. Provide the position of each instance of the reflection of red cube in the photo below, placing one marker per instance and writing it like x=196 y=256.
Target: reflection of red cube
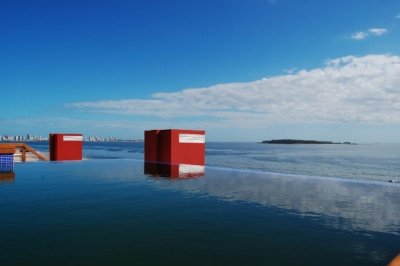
x=175 y=146
x=65 y=147
x=183 y=171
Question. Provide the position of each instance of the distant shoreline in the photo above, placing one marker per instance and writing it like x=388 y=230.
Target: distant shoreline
x=85 y=141
x=299 y=141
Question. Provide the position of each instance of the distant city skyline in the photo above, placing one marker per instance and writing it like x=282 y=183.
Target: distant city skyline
x=241 y=70
x=31 y=137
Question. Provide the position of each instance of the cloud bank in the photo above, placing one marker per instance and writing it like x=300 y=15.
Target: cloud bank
x=347 y=90
x=362 y=35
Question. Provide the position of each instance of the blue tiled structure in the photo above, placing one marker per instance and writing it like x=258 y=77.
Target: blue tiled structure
x=6 y=162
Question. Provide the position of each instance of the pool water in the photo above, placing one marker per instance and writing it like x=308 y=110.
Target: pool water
x=109 y=212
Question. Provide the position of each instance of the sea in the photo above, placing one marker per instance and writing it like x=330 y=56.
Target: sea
x=252 y=204
x=379 y=162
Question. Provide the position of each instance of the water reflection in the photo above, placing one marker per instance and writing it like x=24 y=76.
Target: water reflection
x=337 y=203
x=181 y=171
x=8 y=177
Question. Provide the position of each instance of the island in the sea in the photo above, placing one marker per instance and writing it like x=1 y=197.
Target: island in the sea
x=299 y=141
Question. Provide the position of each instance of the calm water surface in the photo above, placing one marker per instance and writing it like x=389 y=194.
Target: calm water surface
x=108 y=212
x=379 y=162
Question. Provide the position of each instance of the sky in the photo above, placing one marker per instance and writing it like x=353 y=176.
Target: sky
x=241 y=70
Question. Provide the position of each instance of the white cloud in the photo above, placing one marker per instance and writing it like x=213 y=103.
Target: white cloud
x=347 y=89
x=362 y=35
x=377 y=31
x=398 y=16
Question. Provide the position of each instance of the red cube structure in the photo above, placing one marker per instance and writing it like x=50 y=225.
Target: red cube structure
x=65 y=147
x=175 y=146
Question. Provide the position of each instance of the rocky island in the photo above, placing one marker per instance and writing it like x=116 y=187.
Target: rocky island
x=298 y=141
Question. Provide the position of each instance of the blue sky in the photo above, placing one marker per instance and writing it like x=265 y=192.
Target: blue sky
x=241 y=70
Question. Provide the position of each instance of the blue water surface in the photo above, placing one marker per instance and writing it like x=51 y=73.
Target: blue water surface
x=361 y=162
x=108 y=212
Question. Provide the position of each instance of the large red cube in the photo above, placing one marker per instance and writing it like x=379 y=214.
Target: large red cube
x=175 y=146
x=65 y=147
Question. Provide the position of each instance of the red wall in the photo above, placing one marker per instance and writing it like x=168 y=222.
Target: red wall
x=171 y=150
x=151 y=145
x=65 y=147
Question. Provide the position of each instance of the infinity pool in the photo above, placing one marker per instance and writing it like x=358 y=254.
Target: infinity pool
x=109 y=212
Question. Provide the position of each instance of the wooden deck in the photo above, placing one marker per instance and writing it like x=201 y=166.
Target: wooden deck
x=20 y=148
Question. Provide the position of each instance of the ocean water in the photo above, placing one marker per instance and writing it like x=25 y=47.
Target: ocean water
x=366 y=162
x=380 y=162
x=254 y=204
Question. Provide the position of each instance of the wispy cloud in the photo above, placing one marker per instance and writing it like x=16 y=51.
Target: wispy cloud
x=347 y=89
x=398 y=16
x=362 y=35
x=377 y=31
